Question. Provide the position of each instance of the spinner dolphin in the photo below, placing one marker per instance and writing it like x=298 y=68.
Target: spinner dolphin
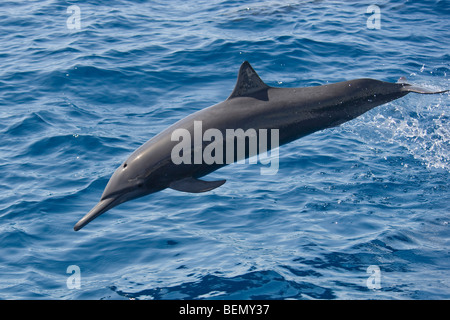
x=293 y=112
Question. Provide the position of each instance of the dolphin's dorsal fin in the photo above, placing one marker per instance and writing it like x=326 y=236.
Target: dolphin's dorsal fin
x=193 y=185
x=248 y=82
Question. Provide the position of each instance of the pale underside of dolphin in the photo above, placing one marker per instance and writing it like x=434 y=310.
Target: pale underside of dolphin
x=294 y=112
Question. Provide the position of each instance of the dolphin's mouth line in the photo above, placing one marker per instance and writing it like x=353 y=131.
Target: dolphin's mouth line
x=101 y=207
x=116 y=195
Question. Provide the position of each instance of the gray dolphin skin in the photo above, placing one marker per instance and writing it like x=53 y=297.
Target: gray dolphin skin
x=294 y=112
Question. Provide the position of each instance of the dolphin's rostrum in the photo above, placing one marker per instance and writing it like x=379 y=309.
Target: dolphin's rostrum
x=294 y=112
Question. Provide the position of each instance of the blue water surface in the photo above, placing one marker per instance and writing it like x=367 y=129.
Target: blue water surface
x=372 y=194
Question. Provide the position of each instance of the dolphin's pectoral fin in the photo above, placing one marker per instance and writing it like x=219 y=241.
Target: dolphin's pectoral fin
x=248 y=83
x=193 y=185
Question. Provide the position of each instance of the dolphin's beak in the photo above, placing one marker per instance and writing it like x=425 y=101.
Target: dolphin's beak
x=101 y=207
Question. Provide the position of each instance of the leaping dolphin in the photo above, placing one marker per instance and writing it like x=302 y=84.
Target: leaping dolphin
x=293 y=112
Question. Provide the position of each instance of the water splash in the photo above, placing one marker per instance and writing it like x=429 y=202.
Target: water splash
x=416 y=123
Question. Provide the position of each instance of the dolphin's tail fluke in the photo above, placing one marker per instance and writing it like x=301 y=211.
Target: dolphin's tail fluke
x=410 y=88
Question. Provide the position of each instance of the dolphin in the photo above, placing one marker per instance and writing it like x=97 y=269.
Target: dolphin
x=294 y=112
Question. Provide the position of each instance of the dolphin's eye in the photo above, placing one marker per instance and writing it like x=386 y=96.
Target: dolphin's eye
x=140 y=185
x=124 y=165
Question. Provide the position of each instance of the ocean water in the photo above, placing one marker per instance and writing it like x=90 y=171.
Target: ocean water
x=360 y=211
